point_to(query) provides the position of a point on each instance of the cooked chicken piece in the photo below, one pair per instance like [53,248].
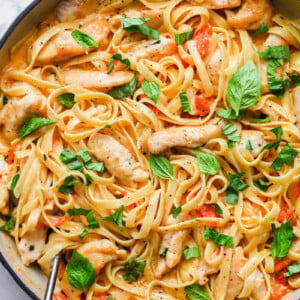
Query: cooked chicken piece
[95,79]
[32,244]
[63,46]
[221,4]
[260,290]
[213,68]
[203,270]
[174,242]
[160,295]
[275,40]
[274,110]
[117,159]
[191,137]
[251,15]
[99,253]
[4,191]
[255,137]
[14,114]
[153,49]
[70,10]
[296,95]
[235,283]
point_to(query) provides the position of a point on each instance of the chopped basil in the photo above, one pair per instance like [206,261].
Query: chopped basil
[67,100]
[89,179]
[249,146]
[219,239]
[164,253]
[207,163]
[230,114]
[229,131]
[196,292]
[274,145]
[276,52]
[14,183]
[106,126]
[261,185]
[235,185]
[134,269]
[264,120]
[160,166]
[84,39]
[185,104]
[68,186]
[182,37]
[292,269]
[33,124]
[117,56]
[45,157]
[282,240]
[125,90]
[176,211]
[295,79]
[138,25]
[116,217]
[70,160]
[31,247]
[151,89]
[93,223]
[261,30]
[80,272]
[5,157]
[191,253]
[9,224]
[218,209]
[244,87]
[286,156]
[4,100]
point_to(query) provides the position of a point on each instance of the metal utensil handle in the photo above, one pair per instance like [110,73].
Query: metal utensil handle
[52,278]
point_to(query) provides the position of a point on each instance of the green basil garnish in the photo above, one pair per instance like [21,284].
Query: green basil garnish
[32,124]
[151,89]
[138,25]
[84,39]
[160,166]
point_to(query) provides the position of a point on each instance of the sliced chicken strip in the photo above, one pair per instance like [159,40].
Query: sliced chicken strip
[260,290]
[221,4]
[153,50]
[174,242]
[235,283]
[14,114]
[296,95]
[184,136]
[160,295]
[63,46]
[96,79]
[255,137]
[117,159]
[251,15]
[34,239]
[203,270]
[213,68]
[274,110]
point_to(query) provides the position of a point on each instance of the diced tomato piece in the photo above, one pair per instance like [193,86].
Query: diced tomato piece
[59,296]
[286,213]
[202,105]
[263,198]
[279,277]
[295,190]
[279,290]
[218,251]
[11,155]
[103,297]
[57,221]
[202,38]
[282,264]
[207,211]
[184,63]
[124,193]
[153,108]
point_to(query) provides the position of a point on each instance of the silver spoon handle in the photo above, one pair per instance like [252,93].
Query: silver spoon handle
[52,278]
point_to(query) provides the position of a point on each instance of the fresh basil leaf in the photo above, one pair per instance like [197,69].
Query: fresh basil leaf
[294,77]
[14,183]
[286,156]
[138,25]
[218,209]
[33,124]
[235,185]
[31,248]
[191,253]
[244,87]
[176,211]
[276,52]
[264,120]
[134,269]
[232,196]
[88,163]
[196,292]
[278,131]
[164,253]
[89,179]
[261,185]
[4,100]
[117,56]
[230,114]
[282,240]
[9,224]
[292,269]
[70,160]
[185,104]
[229,130]
[274,145]
[160,166]
[106,126]
[249,146]
[261,30]
[84,39]
[269,146]
[67,100]
[78,212]
[182,37]
[125,90]
[116,217]
[68,186]
[151,89]
[207,163]
[80,272]
[219,239]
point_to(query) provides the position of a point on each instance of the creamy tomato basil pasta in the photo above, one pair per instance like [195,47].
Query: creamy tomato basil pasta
[155,145]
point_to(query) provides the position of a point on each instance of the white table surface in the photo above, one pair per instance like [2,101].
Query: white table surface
[9,290]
